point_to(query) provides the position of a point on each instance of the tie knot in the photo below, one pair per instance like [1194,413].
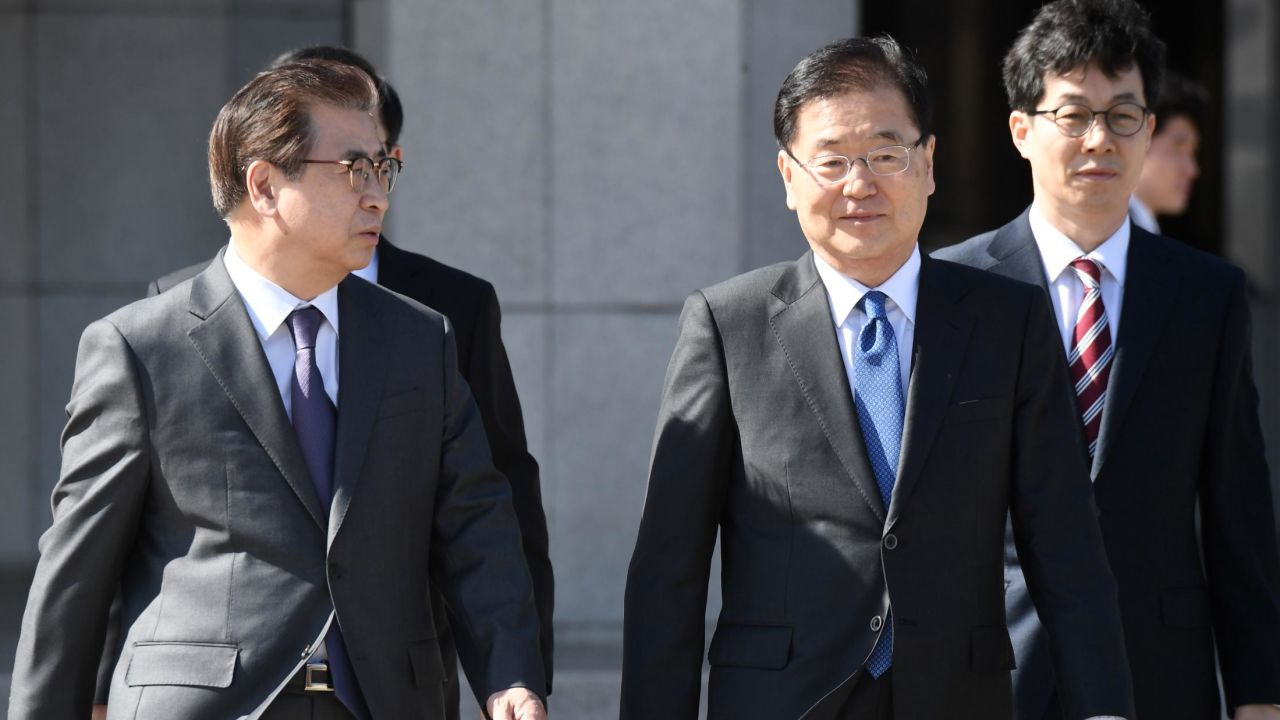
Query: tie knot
[304,323]
[873,305]
[1088,271]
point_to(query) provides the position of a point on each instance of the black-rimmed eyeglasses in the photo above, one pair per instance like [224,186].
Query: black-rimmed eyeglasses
[360,169]
[1074,120]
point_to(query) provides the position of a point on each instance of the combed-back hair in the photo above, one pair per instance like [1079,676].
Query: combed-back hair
[851,65]
[390,111]
[270,119]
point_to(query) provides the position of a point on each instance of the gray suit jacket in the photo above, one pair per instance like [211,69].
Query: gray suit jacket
[758,443]
[182,480]
[1179,429]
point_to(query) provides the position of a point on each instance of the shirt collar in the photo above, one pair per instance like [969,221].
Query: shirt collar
[1142,215]
[844,292]
[1058,251]
[268,303]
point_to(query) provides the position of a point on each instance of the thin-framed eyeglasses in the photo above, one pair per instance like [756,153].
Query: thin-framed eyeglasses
[883,161]
[360,169]
[1074,120]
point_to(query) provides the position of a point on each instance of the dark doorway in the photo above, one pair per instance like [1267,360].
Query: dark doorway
[982,182]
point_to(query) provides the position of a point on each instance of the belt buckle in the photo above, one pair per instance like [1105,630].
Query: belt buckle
[311,683]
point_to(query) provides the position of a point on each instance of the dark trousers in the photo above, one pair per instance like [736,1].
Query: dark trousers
[1054,711]
[297,704]
[870,699]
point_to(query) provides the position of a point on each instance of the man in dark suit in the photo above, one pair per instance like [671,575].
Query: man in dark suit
[276,465]
[1158,339]
[472,307]
[856,426]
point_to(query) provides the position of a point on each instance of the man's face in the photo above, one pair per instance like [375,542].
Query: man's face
[1165,185]
[1087,178]
[333,228]
[866,225]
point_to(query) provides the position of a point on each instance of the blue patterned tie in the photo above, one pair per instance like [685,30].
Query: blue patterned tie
[877,396]
[315,421]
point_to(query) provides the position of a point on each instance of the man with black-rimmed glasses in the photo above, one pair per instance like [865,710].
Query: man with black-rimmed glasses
[1157,338]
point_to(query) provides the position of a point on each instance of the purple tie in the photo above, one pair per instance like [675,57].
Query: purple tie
[315,420]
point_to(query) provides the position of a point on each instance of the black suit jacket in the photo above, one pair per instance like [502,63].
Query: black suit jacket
[758,442]
[1179,427]
[472,307]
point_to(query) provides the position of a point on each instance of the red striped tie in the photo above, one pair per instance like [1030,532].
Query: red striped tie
[1091,351]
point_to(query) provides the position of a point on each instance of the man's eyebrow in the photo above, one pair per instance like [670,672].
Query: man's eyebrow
[887,134]
[1075,98]
[883,134]
[357,153]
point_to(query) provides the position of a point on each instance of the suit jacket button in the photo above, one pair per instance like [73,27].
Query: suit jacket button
[335,570]
[877,622]
[890,541]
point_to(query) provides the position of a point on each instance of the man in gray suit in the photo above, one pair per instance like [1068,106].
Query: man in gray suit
[276,463]
[855,426]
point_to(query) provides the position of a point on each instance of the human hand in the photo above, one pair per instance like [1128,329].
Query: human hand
[515,704]
[1257,712]
[99,713]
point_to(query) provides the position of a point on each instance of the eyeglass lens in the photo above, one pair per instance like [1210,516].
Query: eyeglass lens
[387,170]
[1123,119]
[889,160]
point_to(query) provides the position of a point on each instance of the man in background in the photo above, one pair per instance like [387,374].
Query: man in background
[1170,168]
[1157,338]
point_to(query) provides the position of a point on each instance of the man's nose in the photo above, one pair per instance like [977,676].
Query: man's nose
[861,182]
[1099,136]
[374,198]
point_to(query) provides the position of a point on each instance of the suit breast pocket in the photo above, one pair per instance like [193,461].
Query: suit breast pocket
[977,410]
[402,403]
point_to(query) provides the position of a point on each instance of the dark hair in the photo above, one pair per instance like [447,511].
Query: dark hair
[1180,95]
[269,119]
[1070,34]
[390,111]
[851,65]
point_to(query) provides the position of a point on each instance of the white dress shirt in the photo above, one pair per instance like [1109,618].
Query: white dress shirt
[269,305]
[902,289]
[1065,289]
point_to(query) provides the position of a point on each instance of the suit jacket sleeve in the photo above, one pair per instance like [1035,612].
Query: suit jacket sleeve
[1237,523]
[666,595]
[495,393]
[477,560]
[1057,534]
[115,634]
[97,504]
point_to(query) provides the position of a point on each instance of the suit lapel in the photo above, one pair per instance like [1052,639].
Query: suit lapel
[229,346]
[941,336]
[803,327]
[361,344]
[1149,293]
[1014,254]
